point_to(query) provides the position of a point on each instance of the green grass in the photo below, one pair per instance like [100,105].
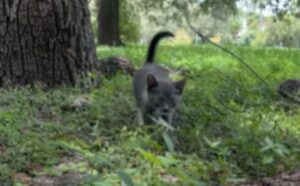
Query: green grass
[232,125]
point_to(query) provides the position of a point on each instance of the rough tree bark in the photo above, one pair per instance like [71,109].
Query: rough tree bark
[108,22]
[48,41]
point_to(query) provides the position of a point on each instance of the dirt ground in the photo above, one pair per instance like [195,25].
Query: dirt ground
[284,179]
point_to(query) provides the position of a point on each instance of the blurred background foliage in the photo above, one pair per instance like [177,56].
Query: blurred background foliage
[231,22]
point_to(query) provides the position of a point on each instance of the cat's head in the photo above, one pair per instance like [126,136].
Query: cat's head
[163,96]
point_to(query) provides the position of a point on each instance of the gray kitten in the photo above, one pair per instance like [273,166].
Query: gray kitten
[155,94]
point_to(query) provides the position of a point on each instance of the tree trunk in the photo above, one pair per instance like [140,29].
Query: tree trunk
[47,41]
[108,22]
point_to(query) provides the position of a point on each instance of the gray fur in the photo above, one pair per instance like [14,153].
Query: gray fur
[156,95]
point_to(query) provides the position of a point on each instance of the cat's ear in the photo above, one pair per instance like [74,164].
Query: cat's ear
[179,85]
[151,82]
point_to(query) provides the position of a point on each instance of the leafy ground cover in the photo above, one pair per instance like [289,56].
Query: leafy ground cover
[233,127]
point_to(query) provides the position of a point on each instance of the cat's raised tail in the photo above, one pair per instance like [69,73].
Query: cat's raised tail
[155,40]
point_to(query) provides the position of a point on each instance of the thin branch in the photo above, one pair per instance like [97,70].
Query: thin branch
[230,80]
[223,49]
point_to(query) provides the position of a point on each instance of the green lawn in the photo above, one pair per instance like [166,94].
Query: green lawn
[233,127]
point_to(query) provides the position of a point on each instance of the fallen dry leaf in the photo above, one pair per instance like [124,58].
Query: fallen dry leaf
[167,178]
[22,178]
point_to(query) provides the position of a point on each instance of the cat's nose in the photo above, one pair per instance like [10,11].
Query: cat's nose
[165,110]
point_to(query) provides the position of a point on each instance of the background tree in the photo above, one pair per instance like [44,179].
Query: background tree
[171,14]
[280,33]
[280,8]
[212,18]
[129,22]
[108,22]
[45,41]
[174,9]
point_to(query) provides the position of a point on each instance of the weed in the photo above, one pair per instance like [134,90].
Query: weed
[231,127]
